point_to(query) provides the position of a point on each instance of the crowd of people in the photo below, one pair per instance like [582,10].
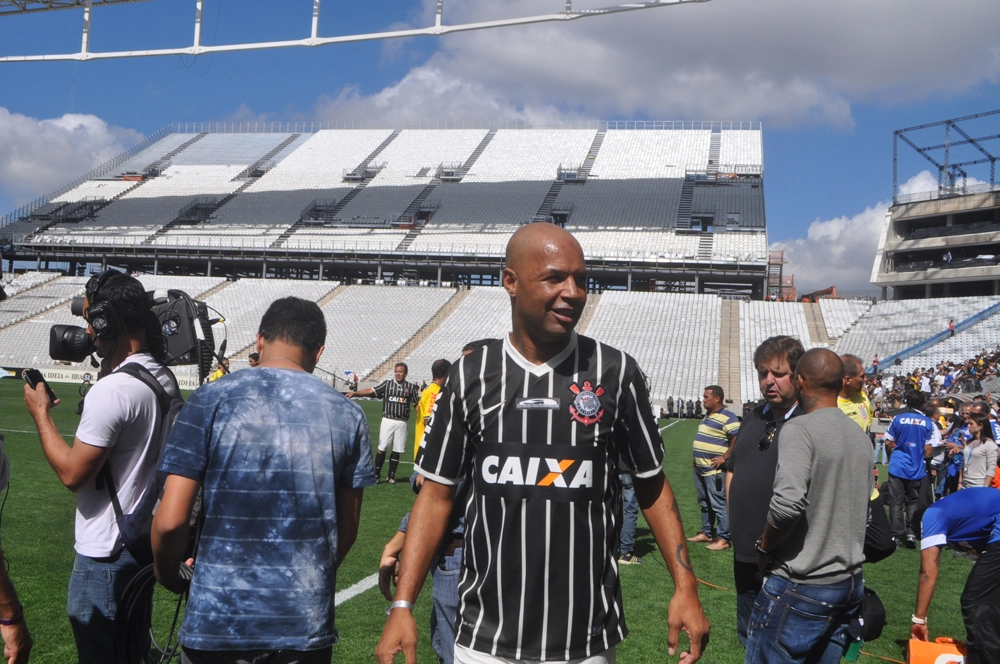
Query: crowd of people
[534,455]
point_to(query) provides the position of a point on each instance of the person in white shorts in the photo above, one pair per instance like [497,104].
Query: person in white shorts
[397,396]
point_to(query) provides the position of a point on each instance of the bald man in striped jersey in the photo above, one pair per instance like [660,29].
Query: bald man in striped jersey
[537,421]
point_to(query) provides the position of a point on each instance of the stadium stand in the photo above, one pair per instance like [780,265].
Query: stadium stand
[741,151]
[244,302]
[416,149]
[41,298]
[730,203]
[890,326]
[647,154]
[27,342]
[760,320]
[674,338]
[228,149]
[645,245]
[154,153]
[367,324]
[17,283]
[740,246]
[840,315]
[485,313]
[984,336]
[623,204]
[530,154]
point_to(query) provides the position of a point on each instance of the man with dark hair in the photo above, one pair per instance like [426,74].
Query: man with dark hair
[538,420]
[751,465]
[397,396]
[120,431]
[910,434]
[812,548]
[712,446]
[283,460]
[439,374]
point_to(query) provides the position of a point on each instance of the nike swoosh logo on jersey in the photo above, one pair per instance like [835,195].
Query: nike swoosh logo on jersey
[487,411]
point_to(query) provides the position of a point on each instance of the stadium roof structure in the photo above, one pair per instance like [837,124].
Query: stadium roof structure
[439,28]
[9,7]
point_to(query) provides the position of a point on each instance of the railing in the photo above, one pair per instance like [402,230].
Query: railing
[984,188]
[918,348]
[98,171]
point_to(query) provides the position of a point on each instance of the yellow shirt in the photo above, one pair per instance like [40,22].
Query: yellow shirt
[859,409]
[424,408]
[216,375]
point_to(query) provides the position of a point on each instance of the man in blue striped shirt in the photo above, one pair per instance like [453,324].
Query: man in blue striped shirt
[712,446]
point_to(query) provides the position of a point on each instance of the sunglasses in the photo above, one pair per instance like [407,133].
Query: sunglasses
[771,429]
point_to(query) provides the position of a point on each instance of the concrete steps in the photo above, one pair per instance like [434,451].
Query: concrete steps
[729,354]
[816,324]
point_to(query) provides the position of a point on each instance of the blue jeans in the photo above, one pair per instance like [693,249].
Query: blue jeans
[444,617]
[880,451]
[711,492]
[95,587]
[630,509]
[802,623]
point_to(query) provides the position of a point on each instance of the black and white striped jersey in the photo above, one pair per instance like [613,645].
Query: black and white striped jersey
[397,398]
[542,443]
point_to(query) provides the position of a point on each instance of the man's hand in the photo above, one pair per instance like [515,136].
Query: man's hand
[350,395]
[399,635]
[16,639]
[718,462]
[685,613]
[763,561]
[920,633]
[37,401]
[388,574]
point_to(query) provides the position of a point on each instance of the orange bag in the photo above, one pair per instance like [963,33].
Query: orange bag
[942,651]
[996,478]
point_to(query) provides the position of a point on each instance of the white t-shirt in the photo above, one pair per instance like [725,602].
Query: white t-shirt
[937,446]
[122,413]
[925,384]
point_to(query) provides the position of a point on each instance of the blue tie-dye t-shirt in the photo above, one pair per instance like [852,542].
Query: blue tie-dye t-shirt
[272,447]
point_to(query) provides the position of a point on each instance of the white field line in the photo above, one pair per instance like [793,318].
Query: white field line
[361,586]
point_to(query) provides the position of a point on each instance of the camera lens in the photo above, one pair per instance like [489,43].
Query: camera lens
[76,306]
[69,343]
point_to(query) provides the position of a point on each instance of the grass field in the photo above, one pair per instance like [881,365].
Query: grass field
[37,531]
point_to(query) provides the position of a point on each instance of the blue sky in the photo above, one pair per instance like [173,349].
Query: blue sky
[830,82]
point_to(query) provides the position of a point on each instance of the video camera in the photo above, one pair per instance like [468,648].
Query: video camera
[183,335]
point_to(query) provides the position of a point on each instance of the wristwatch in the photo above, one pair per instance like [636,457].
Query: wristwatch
[399,604]
[919,621]
[759,549]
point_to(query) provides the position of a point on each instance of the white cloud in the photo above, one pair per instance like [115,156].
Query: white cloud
[38,155]
[781,61]
[840,252]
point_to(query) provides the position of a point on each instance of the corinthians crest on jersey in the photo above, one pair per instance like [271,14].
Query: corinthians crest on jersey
[586,407]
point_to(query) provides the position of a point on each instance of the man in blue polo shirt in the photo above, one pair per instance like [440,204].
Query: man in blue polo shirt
[910,433]
[969,519]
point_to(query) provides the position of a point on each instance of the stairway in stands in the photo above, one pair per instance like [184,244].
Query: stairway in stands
[729,354]
[253,168]
[478,151]
[816,324]
[714,147]
[545,210]
[411,213]
[163,161]
[705,244]
[595,148]
[361,172]
[684,209]
[337,209]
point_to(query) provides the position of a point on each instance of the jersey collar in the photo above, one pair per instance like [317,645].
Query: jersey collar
[539,369]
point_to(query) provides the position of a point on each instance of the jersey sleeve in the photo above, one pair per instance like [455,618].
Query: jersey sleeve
[732,427]
[358,469]
[380,389]
[415,394]
[444,454]
[186,450]
[640,441]
[934,528]
[890,433]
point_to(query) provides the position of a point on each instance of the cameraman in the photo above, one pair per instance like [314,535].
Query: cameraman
[120,427]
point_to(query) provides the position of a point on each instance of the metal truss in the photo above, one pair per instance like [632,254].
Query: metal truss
[10,7]
[439,28]
[939,154]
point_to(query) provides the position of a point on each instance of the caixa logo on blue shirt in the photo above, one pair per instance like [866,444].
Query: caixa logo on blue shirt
[563,473]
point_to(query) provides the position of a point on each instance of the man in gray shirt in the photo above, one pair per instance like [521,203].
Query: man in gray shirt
[813,545]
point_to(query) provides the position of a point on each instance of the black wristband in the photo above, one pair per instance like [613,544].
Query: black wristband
[16,620]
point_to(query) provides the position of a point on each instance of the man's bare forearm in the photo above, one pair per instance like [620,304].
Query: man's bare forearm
[428,521]
[930,561]
[659,507]
[348,518]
